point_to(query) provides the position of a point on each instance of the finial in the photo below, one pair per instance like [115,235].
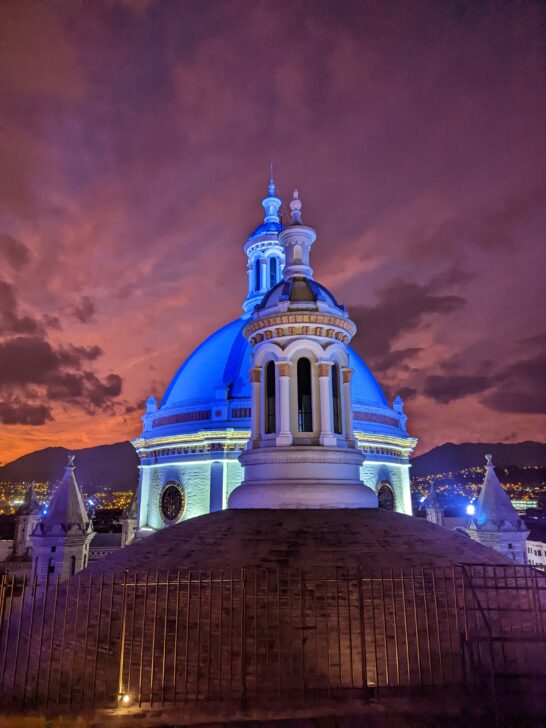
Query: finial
[295,206]
[70,463]
[271,181]
[489,460]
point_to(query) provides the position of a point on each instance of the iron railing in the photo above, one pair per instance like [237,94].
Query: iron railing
[262,634]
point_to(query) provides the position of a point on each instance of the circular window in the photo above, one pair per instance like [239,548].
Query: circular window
[173,502]
[385,497]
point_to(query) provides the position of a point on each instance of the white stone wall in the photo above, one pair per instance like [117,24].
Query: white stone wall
[373,474]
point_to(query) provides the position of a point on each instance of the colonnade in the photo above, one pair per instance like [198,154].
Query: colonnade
[286,399]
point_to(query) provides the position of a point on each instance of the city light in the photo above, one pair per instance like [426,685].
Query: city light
[470,509]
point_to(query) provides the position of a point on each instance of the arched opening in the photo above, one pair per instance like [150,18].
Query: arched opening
[50,566]
[257,275]
[336,400]
[305,408]
[270,401]
[72,565]
[273,271]
[385,497]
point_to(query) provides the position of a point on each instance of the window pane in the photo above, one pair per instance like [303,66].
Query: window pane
[336,402]
[270,404]
[272,271]
[305,411]
[257,276]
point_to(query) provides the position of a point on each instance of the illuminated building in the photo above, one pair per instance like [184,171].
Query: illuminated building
[190,444]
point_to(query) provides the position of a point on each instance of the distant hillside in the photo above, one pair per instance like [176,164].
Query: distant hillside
[115,466]
[112,466]
[449,457]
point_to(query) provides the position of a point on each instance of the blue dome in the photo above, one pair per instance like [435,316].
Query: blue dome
[223,361]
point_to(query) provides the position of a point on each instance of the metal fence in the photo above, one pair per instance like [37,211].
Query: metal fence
[257,635]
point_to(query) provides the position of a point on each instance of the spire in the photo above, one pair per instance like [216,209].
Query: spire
[297,240]
[67,508]
[271,203]
[295,206]
[432,502]
[494,509]
[272,188]
[30,504]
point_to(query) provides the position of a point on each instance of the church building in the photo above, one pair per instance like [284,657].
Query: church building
[191,442]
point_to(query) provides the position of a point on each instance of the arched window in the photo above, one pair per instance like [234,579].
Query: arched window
[72,565]
[273,268]
[305,411]
[385,497]
[50,566]
[270,403]
[336,400]
[257,275]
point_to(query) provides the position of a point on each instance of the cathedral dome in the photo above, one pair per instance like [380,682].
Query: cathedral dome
[299,290]
[222,362]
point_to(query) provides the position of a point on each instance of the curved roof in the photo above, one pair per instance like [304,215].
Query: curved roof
[298,290]
[299,538]
[223,361]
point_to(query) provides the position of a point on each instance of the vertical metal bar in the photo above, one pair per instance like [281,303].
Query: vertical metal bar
[395,625]
[220,634]
[109,638]
[41,639]
[142,635]
[101,587]
[230,630]
[374,632]
[175,653]
[243,637]
[338,623]
[198,641]
[416,621]
[132,634]
[164,654]
[267,626]
[90,586]
[363,655]
[209,642]
[327,617]
[436,611]
[256,631]
[406,633]
[8,631]
[427,626]
[349,617]
[124,588]
[387,676]
[279,628]
[73,657]
[187,642]
[448,620]
[18,639]
[34,591]
[63,639]
[53,621]
[302,598]
[154,630]
[290,643]
[315,621]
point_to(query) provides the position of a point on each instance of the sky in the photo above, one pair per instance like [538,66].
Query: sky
[135,141]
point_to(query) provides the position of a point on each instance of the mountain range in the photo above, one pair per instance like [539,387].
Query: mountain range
[115,467]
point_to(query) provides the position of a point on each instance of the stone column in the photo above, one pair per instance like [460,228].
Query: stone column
[264,274]
[284,438]
[327,437]
[347,373]
[251,282]
[256,383]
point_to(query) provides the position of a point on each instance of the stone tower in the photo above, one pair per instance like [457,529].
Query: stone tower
[61,539]
[302,452]
[434,511]
[26,519]
[496,523]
